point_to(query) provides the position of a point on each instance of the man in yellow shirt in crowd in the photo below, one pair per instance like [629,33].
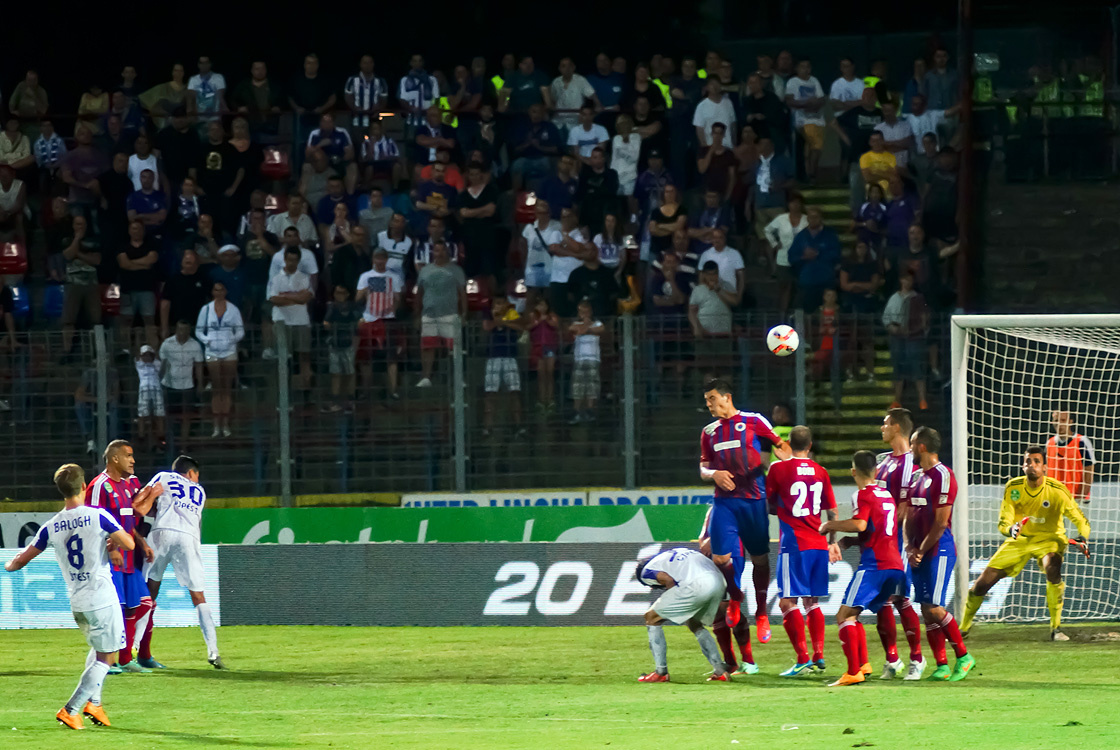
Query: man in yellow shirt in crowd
[878,164]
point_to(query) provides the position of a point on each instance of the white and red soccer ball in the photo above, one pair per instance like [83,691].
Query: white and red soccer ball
[782,340]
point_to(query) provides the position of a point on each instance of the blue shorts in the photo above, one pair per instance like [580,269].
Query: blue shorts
[872,589]
[131,587]
[802,573]
[734,519]
[933,576]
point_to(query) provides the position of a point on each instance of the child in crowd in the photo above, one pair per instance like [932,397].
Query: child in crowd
[502,373]
[585,376]
[544,340]
[149,403]
[341,322]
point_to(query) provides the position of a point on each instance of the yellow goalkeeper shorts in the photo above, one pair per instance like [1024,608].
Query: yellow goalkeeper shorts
[1013,555]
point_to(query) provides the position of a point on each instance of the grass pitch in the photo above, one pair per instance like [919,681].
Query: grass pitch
[554,688]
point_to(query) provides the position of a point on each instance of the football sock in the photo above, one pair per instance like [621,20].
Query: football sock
[888,633]
[731,573]
[761,578]
[816,631]
[912,626]
[90,683]
[849,633]
[742,633]
[952,631]
[794,624]
[723,638]
[936,639]
[861,641]
[658,646]
[91,657]
[125,655]
[143,626]
[973,605]
[209,632]
[710,650]
[1055,598]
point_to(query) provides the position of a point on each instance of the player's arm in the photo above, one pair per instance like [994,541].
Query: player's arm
[940,523]
[29,553]
[722,478]
[1007,520]
[1087,464]
[123,540]
[146,497]
[666,580]
[1072,511]
[772,493]
[848,525]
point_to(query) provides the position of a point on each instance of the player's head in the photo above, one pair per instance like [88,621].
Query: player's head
[118,455]
[717,395]
[925,440]
[641,569]
[1034,462]
[897,422]
[800,439]
[1061,422]
[863,465]
[186,466]
[70,480]
[781,414]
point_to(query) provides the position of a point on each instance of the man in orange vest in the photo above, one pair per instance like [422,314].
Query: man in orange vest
[1069,457]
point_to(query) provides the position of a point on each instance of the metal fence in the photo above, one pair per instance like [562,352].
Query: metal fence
[299,425]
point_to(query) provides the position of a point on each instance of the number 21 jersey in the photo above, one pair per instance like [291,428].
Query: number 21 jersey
[179,508]
[801,489]
[78,536]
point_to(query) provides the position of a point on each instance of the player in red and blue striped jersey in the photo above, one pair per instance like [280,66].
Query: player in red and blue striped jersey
[797,491]
[894,473]
[880,579]
[932,551]
[731,451]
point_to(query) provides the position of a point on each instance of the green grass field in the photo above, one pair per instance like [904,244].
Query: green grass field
[555,688]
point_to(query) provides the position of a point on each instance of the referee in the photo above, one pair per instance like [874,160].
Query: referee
[1069,457]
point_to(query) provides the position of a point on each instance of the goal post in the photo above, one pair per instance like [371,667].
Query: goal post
[1009,373]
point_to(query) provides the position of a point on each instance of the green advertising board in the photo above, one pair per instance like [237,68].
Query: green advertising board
[542,524]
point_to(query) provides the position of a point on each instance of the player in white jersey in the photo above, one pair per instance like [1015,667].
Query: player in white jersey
[694,589]
[78,533]
[176,540]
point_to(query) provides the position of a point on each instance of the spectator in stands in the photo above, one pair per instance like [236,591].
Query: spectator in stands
[666,219]
[532,143]
[93,103]
[567,255]
[596,284]
[435,197]
[610,87]
[187,211]
[115,187]
[860,281]
[544,342]
[231,274]
[335,234]
[249,157]
[82,255]
[586,332]
[207,95]
[477,212]
[220,329]
[559,190]
[715,108]
[668,289]
[485,134]
[417,91]
[732,275]
[877,164]
[587,135]
[814,256]
[310,96]
[715,215]
[219,176]
[746,157]
[113,135]
[379,292]
[451,172]
[336,196]
[381,158]
[314,176]
[340,323]
[536,240]
[206,240]
[422,247]
[137,261]
[366,95]
[855,128]
[845,94]
[375,218]
[524,88]
[649,124]
[185,293]
[349,260]
[296,216]
[824,348]
[335,144]
[397,243]
[258,99]
[289,293]
[626,149]
[432,135]
[870,221]
[686,90]
[896,132]
[15,147]
[161,100]
[709,312]
[597,194]
[128,85]
[805,97]
[923,119]
[768,186]
[643,88]
[732,87]
[915,86]
[942,84]
[503,374]
[441,298]
[609,244]
[763,111]
[86,397]
[182,378]
[939,206]
[29,102]
[780,233]
[13,206]
[922,162]
[49,149]
[902,211]
[148,205]
[717,162]
[258,245]
[179,148]
[569,92]
[907,320]
[648,193]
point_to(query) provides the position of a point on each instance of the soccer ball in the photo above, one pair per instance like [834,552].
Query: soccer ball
[782,340]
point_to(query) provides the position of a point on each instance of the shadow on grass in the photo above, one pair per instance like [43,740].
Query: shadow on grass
[203,739]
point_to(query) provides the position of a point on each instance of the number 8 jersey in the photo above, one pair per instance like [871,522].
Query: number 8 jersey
[801,489]
[179,508]
[78,536]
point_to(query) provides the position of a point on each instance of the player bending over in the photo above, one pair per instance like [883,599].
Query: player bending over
[1042,502]
[880,579]
[79,536]
[723,632]
[893,474]
[731,450]
[176,540]
[797,491]
[694,589]
[933,551]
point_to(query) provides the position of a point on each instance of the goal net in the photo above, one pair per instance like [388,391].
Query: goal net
[1010,374]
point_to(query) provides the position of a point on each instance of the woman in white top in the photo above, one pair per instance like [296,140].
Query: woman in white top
[624,154]
[219,329]
[780,233]
[609,242]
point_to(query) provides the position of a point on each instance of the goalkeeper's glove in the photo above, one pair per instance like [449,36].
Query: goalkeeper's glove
[1016,527]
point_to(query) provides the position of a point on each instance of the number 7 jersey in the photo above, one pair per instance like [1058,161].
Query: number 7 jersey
[801,489]
[878,542]
[179,508]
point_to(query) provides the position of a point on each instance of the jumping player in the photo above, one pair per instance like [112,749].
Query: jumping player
[731,450]
[78,535]
[1043,537]
[176,540]
[694,589]
[115,490]
[933,551]
[895,470]
[880,578]
[797,491]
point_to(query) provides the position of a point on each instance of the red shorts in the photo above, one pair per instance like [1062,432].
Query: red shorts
[376,338]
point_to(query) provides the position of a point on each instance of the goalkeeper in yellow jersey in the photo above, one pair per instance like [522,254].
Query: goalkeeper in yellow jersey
[1042,502]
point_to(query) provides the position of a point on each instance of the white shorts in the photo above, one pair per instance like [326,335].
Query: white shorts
[103,628]
[445,327]
[150,403]
[502,373]
[700,599]
[183,552]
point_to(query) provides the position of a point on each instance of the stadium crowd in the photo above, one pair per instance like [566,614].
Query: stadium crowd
[191,211]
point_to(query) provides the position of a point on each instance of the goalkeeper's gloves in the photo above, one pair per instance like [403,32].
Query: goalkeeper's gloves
[1015,529]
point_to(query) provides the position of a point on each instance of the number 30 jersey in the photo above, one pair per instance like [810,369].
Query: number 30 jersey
[78,536]
[179,508]
[800,489]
